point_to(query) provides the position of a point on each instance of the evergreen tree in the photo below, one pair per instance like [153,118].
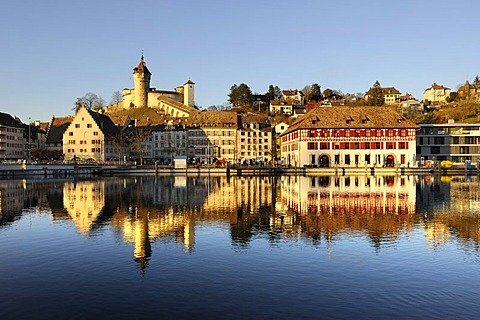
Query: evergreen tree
[274,92]
[315,92]
[376,97]
[240,95]
[476,82]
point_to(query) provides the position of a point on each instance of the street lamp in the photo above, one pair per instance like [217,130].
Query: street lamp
[29,147]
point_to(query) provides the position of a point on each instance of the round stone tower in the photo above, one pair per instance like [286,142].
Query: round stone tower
[141,84]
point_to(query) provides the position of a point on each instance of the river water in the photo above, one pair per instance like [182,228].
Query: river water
[402,247]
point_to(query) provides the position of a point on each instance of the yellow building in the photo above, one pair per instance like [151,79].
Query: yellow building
[90,136]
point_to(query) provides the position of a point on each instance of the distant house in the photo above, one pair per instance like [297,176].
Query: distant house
[11,138]
[469,92]
[293,96]
[281,107]
[406,97]
[90,136]
[390,94]
[436,94]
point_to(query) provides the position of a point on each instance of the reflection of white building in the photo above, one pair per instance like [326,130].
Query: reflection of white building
[343,194]
[84,201]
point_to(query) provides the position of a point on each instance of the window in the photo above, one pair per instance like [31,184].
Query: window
[95,133]
[89,125]
[312,146]
[324,145]
[77,125]
[70,133]
[403,145]
[439,140]
[390,145]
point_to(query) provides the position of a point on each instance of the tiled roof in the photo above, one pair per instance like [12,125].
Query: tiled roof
[7,120]
[141,68]
[56,129]
[437,87]
[386,90]
[177,105]
[214,119]
[105,123]
[292,92]
[343,117]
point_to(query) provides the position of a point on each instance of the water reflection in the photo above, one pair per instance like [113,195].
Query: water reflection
[144,210]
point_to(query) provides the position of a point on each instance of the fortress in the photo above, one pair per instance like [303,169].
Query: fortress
[177,103]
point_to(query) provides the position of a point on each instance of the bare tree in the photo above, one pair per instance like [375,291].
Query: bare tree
[139,135]
[90,100]
[116,97]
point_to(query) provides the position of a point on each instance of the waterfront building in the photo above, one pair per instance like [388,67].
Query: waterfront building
[350,137]
[169,141]
[90,136]
[11,138]
[254,140]
[436,94]
[390,94]
[212,136]
[54,134]
[457,142]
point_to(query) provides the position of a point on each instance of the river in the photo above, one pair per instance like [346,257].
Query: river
[204,247]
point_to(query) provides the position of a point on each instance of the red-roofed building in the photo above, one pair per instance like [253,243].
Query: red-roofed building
[350,137]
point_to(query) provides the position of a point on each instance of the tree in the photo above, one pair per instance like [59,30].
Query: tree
[212,108]
[274,92]
[240,95]
[90,100]
[307,91]
[476,82]
[376,97]
[327,93]
[116,97]
[315,92]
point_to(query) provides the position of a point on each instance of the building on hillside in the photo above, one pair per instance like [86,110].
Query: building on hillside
[390,94]
[469,92]
[12,143]
[254,140]
[457,142]
[179,102]
[436,94]
[293,96]
[411,107]
[281,107]
[407,97]
[91,136]
[350,137]
[212,136]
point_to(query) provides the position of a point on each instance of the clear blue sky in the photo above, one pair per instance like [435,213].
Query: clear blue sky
[55,51]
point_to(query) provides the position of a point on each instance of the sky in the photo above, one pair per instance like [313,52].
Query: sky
[53,52]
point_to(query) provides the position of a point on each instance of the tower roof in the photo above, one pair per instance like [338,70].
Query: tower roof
[142,67]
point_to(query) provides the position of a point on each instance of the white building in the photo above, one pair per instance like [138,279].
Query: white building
[350,137]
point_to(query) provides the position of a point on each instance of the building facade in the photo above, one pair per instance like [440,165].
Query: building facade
[390,94]
[12,143]
[90,136]
[350,137]
[457,142]
[436,94]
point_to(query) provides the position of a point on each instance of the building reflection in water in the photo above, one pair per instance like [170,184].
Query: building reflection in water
[379,207]
[450,206]
[144,210]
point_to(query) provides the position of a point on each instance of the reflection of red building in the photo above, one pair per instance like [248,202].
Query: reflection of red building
[350,195]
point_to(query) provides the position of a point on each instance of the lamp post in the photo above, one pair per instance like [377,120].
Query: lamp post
[29,147]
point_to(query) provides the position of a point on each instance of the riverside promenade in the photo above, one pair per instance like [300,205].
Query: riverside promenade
[69,170]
